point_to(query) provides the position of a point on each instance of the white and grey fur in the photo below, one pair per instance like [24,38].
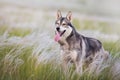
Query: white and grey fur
[75,47]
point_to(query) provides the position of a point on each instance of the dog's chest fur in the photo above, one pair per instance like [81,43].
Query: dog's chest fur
[71,49]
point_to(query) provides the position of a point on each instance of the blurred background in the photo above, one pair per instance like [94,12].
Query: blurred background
[89,17]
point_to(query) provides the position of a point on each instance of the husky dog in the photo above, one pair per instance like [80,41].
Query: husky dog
[75,47]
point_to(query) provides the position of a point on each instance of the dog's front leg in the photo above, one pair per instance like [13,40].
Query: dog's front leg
[65,60]
[79,67]
[65,66]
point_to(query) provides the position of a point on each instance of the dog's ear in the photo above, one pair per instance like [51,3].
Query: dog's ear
[69,15]
[59,15]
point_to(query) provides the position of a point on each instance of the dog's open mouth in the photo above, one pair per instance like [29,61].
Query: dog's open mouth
[61,33]
[58,35]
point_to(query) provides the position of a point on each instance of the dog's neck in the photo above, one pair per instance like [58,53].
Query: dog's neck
[74,35]
[71,39]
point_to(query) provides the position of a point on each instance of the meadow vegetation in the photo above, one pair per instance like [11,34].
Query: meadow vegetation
[26,55]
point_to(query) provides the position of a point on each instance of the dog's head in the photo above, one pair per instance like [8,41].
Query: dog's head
[63,28]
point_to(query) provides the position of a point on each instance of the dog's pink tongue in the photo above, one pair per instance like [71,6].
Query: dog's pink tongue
[57,37]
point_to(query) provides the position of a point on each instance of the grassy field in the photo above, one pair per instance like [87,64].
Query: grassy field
[27,47]
[25,56]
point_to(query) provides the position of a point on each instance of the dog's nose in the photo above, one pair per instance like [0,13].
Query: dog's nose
[58,29]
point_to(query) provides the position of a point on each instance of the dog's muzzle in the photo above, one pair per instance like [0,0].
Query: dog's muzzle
[60,32]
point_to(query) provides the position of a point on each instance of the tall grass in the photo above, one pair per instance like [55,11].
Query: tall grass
[29,55]
[36,57]
[15,31]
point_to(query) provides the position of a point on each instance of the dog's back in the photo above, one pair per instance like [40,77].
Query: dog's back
[92,45]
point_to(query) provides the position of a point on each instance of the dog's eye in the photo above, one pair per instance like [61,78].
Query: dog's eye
[57,23]
[63,24]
